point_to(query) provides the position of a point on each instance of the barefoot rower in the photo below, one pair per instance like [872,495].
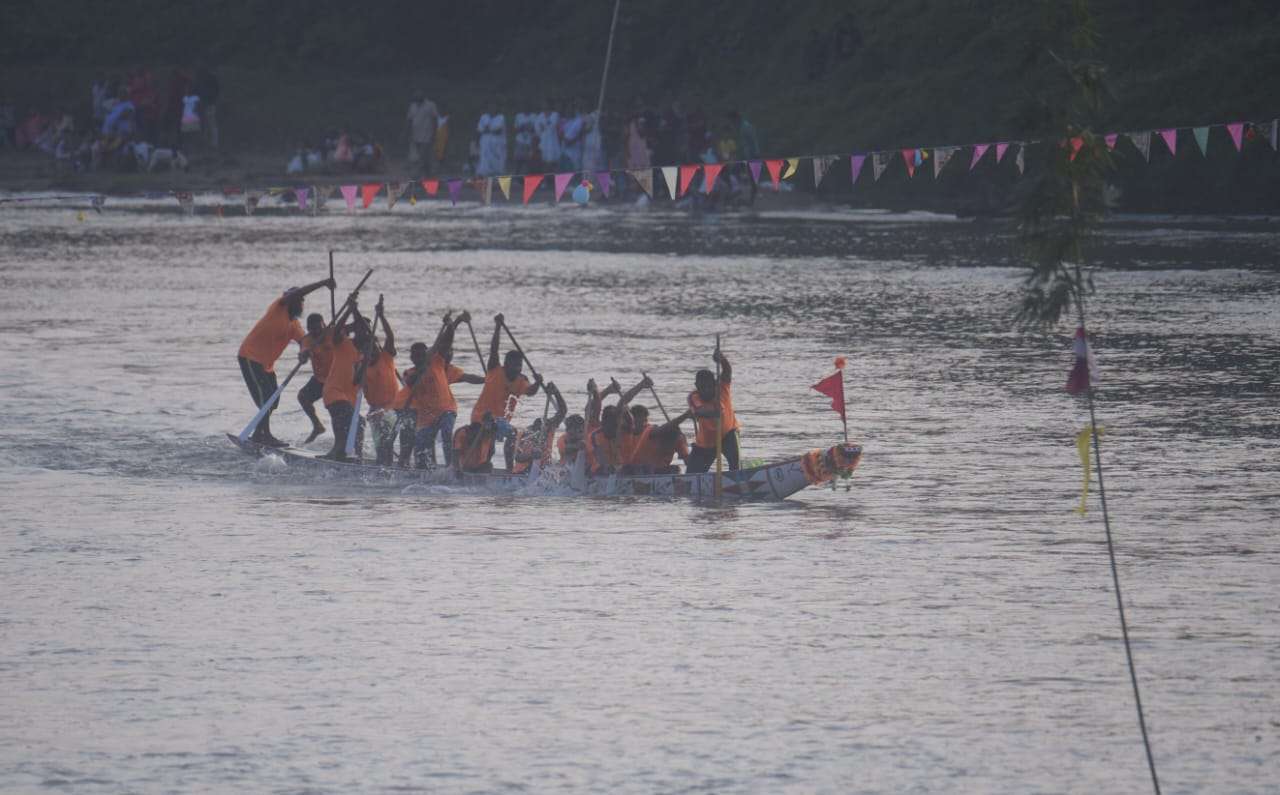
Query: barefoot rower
[706,407]
[317,349]
[262,347]
[431,395]
[500,383]
[350,343]
[380,389]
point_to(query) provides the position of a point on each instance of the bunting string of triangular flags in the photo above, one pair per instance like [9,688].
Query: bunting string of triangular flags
[680,179]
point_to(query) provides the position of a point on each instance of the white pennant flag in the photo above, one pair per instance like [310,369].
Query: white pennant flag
[822,164]
[1021,159]
[940,157]
[669,174]
[1142,140]
[879,162]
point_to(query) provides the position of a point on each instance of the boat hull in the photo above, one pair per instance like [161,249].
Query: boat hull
[768,482]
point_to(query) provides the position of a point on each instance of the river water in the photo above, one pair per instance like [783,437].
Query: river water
[178,617]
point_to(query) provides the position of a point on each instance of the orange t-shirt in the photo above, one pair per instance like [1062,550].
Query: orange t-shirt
[562,444]
[321,351]
[628,443]
[467,456]
[341,384]
[271,335]
[380,384]
[706,435]
[494,394]
[432,395]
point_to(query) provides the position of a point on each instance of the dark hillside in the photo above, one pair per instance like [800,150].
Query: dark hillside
[816,77]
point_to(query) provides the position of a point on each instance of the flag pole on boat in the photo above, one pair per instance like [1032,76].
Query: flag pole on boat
[271,401]
[719,427]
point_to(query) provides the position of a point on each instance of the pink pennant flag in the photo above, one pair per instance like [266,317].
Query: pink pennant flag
[531,183]
[603,180]
[775,171]
[349,195]
[1077,144]
[1000,150]
[367,192]
[855,166]
[1111,139]
[301,195]
[709,173]
[431,186]
[1170,140]
[562,182]
[978,151]
[909,157]
[455,188]
[687,174]
[1237,134]
[754,165]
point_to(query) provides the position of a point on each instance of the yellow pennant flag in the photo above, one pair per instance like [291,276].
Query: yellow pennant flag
[504,184]
[792,165]
[1083,440]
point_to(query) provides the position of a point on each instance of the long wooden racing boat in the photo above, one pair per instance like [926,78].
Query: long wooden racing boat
[768,482]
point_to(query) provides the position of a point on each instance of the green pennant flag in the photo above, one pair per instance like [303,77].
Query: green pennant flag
[1202,138]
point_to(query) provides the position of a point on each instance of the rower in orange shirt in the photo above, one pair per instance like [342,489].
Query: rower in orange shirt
[262,347]
[535,442]
[500,383]
[316,348]
[579,427]
[473,446]
[380,389]
[616,437]
[706,406]
[430,397]
[351,341]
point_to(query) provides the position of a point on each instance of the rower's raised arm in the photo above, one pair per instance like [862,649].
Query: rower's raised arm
[561,409]
[301,292]
[726,369]
[389,341]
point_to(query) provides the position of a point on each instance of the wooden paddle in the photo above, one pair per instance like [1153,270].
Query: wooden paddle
[484,367]
[516,345]
[333,310]
[657,399]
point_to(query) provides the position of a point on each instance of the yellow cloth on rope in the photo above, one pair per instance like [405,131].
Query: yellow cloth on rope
[792,164]
[504,184]
[1083,440]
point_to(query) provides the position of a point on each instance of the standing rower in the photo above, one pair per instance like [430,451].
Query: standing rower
[706,406]
[380,388]
[343,383]
[263,345]
[500,383]
[317,348]
[431,394]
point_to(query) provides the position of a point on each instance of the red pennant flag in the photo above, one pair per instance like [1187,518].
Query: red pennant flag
[775,171]
[431,186]
[833,387]
[709,173]
[686,176]
[1077,144]
[367,192]
[909,157]
[531,183]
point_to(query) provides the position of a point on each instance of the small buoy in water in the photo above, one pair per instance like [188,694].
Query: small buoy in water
[582,193]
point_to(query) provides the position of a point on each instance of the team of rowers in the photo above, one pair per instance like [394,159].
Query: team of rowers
[416,406]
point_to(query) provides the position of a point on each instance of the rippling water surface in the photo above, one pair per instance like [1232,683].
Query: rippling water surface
[177,617]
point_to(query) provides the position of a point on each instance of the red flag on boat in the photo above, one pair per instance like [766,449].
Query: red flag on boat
[833,387]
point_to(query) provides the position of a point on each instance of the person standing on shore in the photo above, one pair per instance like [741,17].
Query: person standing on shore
[423,118]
